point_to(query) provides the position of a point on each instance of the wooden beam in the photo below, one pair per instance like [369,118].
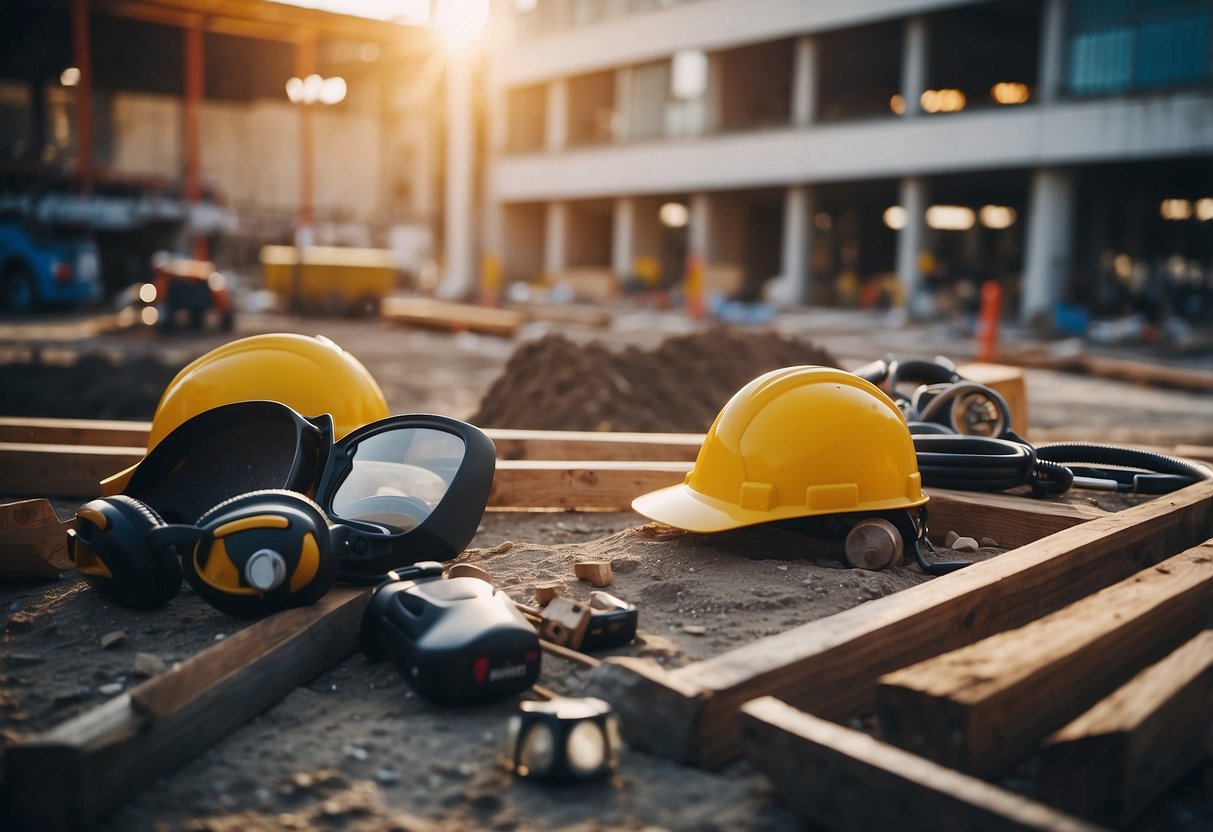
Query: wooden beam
[1011,520]
[66,777]
[596,484]
[830,666]
[842,779]
[1115,759]
[437,314]
[982,707]
[73,431]
[598,445]
[60,470]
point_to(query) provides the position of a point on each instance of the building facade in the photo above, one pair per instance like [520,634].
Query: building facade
[861,152]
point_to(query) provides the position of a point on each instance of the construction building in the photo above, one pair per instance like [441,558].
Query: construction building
[861,152]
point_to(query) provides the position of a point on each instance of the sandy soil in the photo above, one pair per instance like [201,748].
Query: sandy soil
[356,750]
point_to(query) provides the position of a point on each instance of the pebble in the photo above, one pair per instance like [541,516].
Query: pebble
[387,776]
[964,544]
[989,543]
[110,689]
[147,664]
[694,629]
[113,639]
[355,752]
[950,539]
[783,568]
[220,636]
[503,548]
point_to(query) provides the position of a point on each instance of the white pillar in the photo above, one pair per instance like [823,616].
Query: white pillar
[1052,50]
[623,237]
[914,64]
[699,226]
[804,82]
[555,238]
[797,240]
[1047,255]
[912,238]
[458,274]
[557,127]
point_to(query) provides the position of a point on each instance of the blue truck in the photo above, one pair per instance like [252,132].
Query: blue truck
[43,266]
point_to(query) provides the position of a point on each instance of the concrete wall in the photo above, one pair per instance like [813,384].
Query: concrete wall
[250,152]
[589,235]
[1040,135]
[522,238]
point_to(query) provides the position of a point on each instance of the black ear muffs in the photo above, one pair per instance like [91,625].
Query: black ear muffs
[265,550]
[109,549]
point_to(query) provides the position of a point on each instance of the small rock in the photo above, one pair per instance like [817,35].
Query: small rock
[502,548]
[783,568]
[989,543]
[13,607]
[694,629]
[220,636]
[110,689]
[387,776]
[355,752]
[949,539]
[581,528]
[113,639]
[964,544]
[147,664]
[303,780]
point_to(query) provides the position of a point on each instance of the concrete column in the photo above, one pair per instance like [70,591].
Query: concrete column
[804,82]
[797,240]
[912,238]
[699,226]
[914,64]
[1047,255]
[621,125]
[623,237]
[555,238]
[1052,50]
[557,126]
[458,277]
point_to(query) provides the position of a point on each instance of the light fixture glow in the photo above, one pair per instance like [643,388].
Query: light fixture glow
[674,215]
[147,293]
[894,217]
[294,89]
[70,77]
[149,315]
[332,90]
[1010,92]
[1204,209]
[1175,209]
[997,217]
[898,105]
[823,221]
[942,101]
[950,217]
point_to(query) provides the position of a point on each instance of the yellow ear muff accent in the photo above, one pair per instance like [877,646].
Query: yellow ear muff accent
[309,563]
[89,563]
[257,521]
[220,572]
[95,517]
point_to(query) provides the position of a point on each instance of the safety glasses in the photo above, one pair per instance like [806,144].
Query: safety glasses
[405,488]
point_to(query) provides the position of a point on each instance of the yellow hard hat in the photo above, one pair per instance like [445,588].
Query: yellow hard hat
[310,374]
[796,442]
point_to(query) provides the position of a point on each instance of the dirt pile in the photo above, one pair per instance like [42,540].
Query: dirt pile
[555,384]
[92,387]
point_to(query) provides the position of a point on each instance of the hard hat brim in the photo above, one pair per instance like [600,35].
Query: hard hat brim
[684,508]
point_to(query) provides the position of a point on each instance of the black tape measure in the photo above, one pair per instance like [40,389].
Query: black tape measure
[456,641]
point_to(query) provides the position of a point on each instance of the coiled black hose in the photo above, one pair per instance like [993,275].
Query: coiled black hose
[979,463]
[1155,473]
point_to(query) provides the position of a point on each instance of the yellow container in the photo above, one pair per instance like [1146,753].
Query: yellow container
[328,278]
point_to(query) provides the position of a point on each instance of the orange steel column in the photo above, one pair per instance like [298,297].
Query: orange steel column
[195,80]
[305,65]
[82,52]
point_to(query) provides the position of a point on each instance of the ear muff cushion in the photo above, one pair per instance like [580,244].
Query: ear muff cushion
[141,578]
[327,553]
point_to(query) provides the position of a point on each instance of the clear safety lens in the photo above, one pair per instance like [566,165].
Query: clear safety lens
[398,477]
[586,748]
[538,751]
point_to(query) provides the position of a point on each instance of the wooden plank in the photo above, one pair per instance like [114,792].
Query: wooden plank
[982,707]
[74,431]
[66,777]
[583,444]
[1011,520]
[436,314]
[830,666]
[843,779]
[1149,372]
[596,484]
[60,470]
[27,514]
[1114,760]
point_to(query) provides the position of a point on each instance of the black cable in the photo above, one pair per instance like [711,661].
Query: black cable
[1134,470]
